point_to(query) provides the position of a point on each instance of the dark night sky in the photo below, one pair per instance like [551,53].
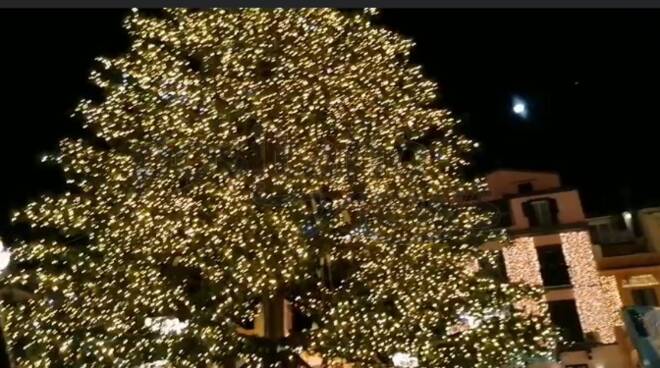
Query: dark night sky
[598,133]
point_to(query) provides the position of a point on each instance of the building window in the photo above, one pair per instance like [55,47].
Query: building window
[612,231]
[554,270]
[524,188]
[541,212]
[645,297]
[565,316]
[502,213]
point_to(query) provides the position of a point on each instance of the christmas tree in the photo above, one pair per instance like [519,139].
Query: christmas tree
[247,157]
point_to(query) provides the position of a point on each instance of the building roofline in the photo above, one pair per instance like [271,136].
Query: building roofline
[617,213]
[648,209]
[521,171]
[540,192]
[550,230]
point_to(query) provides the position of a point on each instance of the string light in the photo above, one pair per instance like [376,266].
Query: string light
[243,150]
[156,364]
[521,261]
[166,325]
[596,296]
[404,360]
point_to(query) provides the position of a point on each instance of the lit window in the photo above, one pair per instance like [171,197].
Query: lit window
[542,213]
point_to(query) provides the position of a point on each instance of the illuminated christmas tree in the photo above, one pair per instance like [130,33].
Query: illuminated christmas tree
[247,157]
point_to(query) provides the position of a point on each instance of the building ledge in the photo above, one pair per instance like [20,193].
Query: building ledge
[535,193]
[558,287]
[628,261]
[548,230]
[584,346]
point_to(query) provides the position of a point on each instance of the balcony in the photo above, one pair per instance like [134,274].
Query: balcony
[623,249]
[634,253]
[615,237]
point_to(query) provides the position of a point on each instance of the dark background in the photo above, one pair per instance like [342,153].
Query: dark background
[590,78]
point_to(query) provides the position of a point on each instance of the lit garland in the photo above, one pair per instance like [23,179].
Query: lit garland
[521,262]
[404,360]
[596,296]
[166,325]
[246,148]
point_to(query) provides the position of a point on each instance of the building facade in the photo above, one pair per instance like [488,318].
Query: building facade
[590,268]
[550,246]
[627,247]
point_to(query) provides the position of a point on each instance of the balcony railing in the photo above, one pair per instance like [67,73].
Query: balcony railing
[623,249]
[633,254]
[617,237]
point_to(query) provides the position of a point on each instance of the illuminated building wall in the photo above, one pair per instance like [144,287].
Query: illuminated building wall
[596,296]
[522,264]
[597,300]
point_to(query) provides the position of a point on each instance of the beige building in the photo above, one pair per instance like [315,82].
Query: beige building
[551,247]
[627,246]
[590,268]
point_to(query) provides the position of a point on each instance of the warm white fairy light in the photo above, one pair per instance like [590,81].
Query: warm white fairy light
[404,360]
[532,307]
[521,261]
[252,148]
[166,325]
[596,296]
[155,364]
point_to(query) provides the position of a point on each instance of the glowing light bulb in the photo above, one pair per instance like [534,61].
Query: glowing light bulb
[155,364]
[405,360]
[166,325]
[5,257]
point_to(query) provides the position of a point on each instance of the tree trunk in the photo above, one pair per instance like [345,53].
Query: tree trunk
[274,318]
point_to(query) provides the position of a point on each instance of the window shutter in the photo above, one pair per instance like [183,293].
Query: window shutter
[554,210]
[504,215]
[593,232]
[636,225]
[530,214]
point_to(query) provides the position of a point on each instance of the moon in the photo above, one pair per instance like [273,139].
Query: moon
[519,107]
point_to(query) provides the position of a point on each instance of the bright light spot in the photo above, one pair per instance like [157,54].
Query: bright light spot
[5,257]
[404,360]
[166,325]
[519,107]
[627,216]
[155,364]
[471,321]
